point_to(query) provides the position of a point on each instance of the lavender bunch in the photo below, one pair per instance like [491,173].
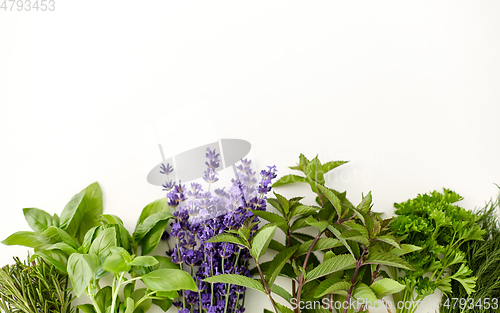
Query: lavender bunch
[200,215]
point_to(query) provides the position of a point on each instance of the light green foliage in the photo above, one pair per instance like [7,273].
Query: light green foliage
[439,227]
[89,245]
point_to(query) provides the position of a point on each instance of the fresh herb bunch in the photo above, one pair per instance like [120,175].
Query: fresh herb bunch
[199,215]
[354,243]
[34,286]
[483,258]
[88,245]
[439,227]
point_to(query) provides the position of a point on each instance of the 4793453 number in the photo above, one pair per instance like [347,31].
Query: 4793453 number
[28,5]
[469,303]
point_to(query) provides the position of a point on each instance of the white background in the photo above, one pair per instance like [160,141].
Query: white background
[408,92]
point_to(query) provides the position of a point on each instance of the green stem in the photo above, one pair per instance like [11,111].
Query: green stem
[115,289]
[229,285]
[92,299]
[211,285]
[143,299]
[130,280]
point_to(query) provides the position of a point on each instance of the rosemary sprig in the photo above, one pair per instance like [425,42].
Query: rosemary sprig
[34,287]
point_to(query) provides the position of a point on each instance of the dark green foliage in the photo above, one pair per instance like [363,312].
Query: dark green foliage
[483,258]
[34,287]
[342,262]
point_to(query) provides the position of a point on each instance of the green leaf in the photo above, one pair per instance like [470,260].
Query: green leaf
[283,202]
[332,286]
[302,236]
[276,246]
[353,225]
[88,238]
[163,304]
[64,247]
[81,269]
[153,237]
[167,279]
[82,212]
[103,242]
[27,239]
[37,219]
[385,287]
[304,209]
[149,223]
[356,236]
[122,234]
[167,294]
[86,308]
[463,276]
[224,237]
[262,239]
[335,229]
[336,263]
[282,308]
[299,223]
[289,179]
[160,205]
[331,165]
[164,262]
[389,259]
[314,171]
[389,240]
[128,289]
[144,261]
[366,202]
[303,162]
[280,291]
[277,264]
[130,305]
[103,298]
[273,218]
[332,198]
[117,262]
[145,305]
[64,236]
[236,280]
[321,225]
[363,291]
[277,205]
[321,244]
[58,258]
[405,248]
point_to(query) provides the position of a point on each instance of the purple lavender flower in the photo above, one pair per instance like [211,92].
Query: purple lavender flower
[199,215]
[167,186]
[166,169]
[213,163]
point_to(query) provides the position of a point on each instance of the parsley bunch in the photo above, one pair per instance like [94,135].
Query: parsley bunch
[439,227]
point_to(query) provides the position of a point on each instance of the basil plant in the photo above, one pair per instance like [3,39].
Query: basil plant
[88,245]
